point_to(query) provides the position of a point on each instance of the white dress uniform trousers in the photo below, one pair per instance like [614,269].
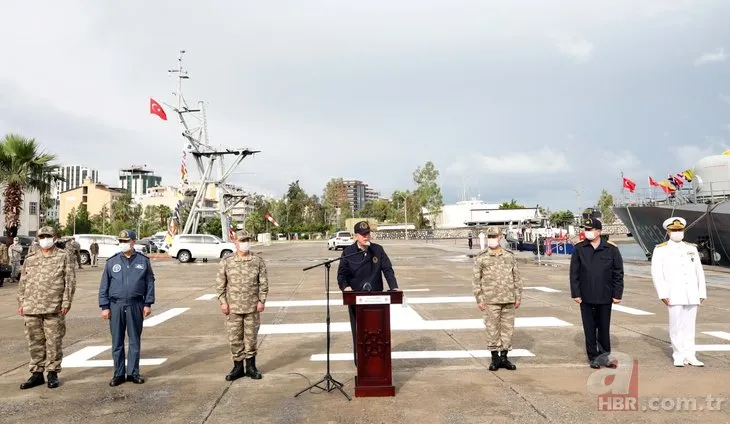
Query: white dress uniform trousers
[678,276]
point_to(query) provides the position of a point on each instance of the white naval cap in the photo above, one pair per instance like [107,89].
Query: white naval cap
[674,223]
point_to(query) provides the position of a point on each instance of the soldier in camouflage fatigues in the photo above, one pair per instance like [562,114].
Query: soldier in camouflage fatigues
[498,290]
[45,292]
[4,259]
[242,285]
[74,249]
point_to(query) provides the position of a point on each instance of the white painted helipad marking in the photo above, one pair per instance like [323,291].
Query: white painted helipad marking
[160,318]
[543,289]
[632,311]
[427,354]
[82,359]
[721,334]
[405,319]
[207,297]
[405,291]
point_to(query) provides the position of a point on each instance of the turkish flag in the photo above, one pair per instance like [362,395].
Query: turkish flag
[156,109]
[629,185]
[653,183]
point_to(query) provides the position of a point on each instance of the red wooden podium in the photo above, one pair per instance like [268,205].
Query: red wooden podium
[372,335]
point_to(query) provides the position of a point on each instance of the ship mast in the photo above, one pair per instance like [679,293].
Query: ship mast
[206,157]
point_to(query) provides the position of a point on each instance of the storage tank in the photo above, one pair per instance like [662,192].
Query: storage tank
[712,175]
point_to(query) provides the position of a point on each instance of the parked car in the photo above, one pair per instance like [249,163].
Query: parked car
[108,246]
[189,247]
[340,240]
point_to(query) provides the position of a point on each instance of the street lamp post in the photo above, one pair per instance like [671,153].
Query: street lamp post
[405,215]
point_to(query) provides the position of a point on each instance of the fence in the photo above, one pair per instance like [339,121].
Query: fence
[462,233]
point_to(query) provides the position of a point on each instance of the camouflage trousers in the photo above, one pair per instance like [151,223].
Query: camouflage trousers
[243,330]
[499,320]
[45,338]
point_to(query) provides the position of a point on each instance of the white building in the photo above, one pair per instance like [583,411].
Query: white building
[138,180]
[29,216]
[475,212]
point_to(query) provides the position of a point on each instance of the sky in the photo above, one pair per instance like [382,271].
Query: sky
[546,102]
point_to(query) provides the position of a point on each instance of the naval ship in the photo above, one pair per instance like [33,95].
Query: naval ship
[704,203]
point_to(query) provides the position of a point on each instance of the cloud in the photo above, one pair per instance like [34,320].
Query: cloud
[621,161]
[688,155]
[711,57]
[577,48]
[543,161]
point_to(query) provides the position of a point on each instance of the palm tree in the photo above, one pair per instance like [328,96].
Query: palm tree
[23,168]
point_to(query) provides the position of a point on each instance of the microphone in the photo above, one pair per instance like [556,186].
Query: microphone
[367,287]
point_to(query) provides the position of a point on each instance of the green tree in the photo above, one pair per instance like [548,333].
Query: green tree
[77,221]
[378,209]
[605,202]
[23,168]
[562,218]
[334,198]
[428,193]
[512,204]
[213,226]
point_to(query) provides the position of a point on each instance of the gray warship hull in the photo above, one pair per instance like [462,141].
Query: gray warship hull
[708,226]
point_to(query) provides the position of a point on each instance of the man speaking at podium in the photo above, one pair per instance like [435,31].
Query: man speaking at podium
[360,270]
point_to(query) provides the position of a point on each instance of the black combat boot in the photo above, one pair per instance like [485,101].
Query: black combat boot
[35,380]
[237,371]
[494,366]
[251,370]
[52,379]
[505,363]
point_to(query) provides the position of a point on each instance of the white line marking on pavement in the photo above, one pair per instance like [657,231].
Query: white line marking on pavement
[405,318]
[713,348]
[159,319]
[207,297]
[632,311]
[405,291]
[427,354]
[721,334]
[82,359]
[543,289]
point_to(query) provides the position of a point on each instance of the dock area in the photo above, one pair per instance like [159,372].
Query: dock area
[440,362]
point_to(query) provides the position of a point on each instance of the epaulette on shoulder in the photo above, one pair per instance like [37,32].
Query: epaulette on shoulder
[611,243]
[508,251]
[691,244]
[662,244]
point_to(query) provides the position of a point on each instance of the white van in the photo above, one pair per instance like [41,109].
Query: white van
[189,247]
[108,246]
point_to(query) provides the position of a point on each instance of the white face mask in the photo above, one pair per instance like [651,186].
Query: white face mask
[45,243]
[676,235]
[124,246]
[244,246]
[590,235]
[492,242]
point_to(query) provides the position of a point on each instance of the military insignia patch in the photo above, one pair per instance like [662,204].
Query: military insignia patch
[375,259]
[116,268]
[123,234]
[363,225]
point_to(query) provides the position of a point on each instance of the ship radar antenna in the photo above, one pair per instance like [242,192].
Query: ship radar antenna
[210,162]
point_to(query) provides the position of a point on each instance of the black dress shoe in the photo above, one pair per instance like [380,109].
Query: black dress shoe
[136,379]
[595,363]
[35,380]
[52,379]
[116,380]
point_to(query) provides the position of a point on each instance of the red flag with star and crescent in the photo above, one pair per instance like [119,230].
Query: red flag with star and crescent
[156,109]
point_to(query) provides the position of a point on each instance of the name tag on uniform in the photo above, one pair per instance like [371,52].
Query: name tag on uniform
[372,300]
[139,266]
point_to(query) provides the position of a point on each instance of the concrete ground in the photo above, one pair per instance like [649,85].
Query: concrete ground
[187,356]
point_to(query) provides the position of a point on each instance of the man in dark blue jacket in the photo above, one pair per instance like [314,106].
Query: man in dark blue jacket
[362,268]
[596,283]
[126,295]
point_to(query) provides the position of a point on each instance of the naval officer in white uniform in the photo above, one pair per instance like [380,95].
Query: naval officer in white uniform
[679,280]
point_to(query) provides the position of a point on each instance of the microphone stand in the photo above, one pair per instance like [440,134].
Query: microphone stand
[330,383]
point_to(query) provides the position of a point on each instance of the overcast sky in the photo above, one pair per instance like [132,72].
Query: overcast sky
[511,99]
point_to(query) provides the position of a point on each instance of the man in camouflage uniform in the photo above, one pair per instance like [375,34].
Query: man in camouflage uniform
[498,290]
[45,291]
[4,260]
[74,249]
[242,285]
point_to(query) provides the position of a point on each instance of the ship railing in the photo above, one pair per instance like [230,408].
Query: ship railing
[713,192]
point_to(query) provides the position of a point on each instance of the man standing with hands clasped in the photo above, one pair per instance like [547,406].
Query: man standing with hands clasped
[126,295]
[360,269]
[679,280]
[596,283]
[242,285]
[497,287]
[45,291]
